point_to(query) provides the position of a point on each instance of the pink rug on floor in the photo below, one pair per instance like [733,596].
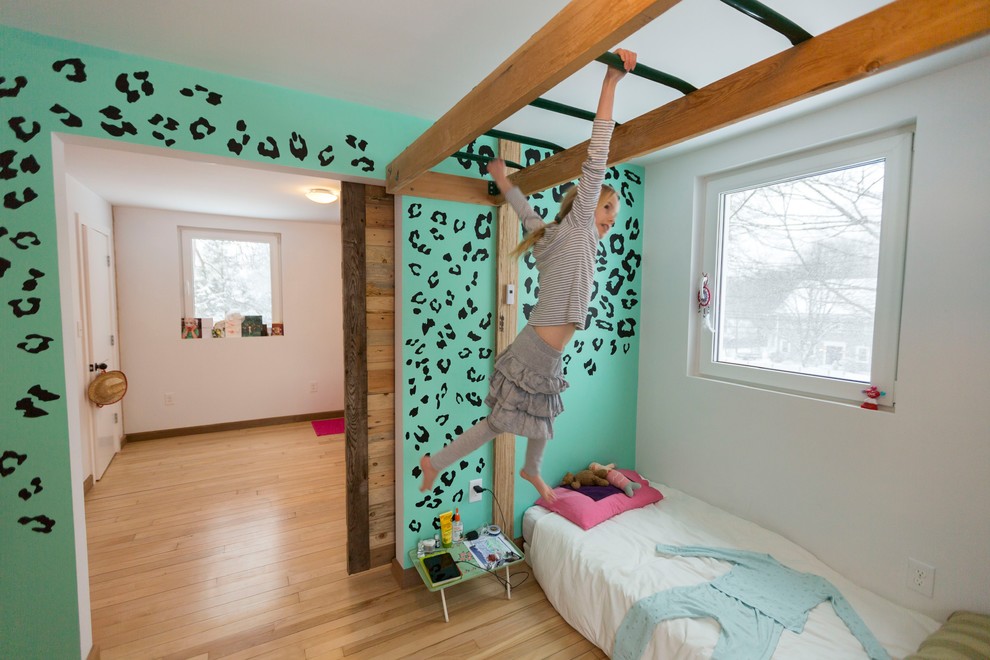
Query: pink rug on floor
[329,426]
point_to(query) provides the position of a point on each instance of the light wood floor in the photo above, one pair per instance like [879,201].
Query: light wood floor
[232,545]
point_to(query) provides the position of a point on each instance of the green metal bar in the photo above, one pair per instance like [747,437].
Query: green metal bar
[644,71]
[513,137]
[560,108]
[483,159]
[770,18]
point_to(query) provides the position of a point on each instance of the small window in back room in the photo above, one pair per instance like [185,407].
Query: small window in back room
[231,272]
[808,257]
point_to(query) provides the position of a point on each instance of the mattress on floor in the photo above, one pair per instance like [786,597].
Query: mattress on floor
[593,577]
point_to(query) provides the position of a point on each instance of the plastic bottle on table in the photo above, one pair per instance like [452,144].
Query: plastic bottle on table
[457,530]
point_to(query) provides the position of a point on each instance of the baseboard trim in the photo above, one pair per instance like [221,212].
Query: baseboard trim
[94,653]
[87,484]
[405,577]
[229,426]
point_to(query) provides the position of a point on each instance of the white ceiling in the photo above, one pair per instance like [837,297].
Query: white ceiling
[157,178]
[414,57]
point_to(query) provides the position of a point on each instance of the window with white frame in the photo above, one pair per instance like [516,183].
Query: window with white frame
[231,272]
[808,254]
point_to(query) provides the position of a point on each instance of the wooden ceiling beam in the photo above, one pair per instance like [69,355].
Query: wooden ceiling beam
[894,34]
[579,33]
[452,188]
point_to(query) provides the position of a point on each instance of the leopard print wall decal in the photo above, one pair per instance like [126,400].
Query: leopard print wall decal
[51,87]
[19,166]
[449,260]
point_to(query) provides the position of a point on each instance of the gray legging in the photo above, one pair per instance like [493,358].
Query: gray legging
[478,435]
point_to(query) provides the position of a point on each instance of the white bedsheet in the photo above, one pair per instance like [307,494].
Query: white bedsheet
[593,577]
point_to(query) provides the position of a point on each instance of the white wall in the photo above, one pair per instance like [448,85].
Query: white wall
[223,380]
[862,490]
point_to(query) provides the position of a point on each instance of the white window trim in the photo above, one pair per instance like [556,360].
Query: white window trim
[896,148]
[274,241]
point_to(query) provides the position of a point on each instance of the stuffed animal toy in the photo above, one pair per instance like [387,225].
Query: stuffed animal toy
[616,478]
[585,478]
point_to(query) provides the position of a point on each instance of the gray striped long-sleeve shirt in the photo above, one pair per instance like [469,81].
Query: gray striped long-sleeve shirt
[565,255]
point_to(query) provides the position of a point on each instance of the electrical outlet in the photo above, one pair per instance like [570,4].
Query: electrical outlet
[169,399]
[313,387]
[473,496]
[921,577]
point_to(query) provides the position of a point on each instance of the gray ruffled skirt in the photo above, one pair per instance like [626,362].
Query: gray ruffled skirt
[524,388]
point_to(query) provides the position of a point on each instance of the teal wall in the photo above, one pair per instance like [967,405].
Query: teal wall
[448,334]
[448,339]
[50,86]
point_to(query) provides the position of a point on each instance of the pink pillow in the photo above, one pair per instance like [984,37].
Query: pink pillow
[586,512]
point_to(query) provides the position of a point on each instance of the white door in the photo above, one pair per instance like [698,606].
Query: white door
[99,337]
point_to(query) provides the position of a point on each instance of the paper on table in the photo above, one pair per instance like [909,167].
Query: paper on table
[486,545]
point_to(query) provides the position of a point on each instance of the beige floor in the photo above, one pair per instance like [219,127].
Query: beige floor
[231,545]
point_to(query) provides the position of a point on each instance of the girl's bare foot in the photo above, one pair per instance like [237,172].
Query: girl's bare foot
[545,491]
[429,473]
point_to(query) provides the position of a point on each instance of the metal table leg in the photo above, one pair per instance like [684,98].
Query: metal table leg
[443,597]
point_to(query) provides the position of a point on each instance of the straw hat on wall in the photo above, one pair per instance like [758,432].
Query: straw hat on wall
[107,388]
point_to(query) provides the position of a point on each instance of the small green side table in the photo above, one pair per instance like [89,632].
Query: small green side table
[461,552]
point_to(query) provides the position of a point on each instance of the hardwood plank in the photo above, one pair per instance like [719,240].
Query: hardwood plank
[380,237]
[897,33]
[380,320]
[381,448]
[381,340]
[492,615]
[382,554]
[379,304]
[381,402]
[234,545]
[379,289]
[381,277]
[381,381]
[381,254]
[580,32]
[379,206]
[384,432]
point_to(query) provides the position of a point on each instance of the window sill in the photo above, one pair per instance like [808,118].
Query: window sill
[809,396]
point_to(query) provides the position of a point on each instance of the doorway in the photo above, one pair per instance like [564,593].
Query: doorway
[370,417]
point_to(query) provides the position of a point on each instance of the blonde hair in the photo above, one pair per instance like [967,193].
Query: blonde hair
[607,193]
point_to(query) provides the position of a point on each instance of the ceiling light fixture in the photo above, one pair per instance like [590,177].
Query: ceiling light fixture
[321,195]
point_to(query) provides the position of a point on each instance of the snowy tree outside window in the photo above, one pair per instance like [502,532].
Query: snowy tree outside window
[230,272]
[799,277]
[808,254]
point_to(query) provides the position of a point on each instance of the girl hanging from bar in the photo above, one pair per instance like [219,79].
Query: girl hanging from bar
[525,387]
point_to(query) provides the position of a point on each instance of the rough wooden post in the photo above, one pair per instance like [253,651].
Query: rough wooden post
[355,374]
[504,452]
[368,273]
